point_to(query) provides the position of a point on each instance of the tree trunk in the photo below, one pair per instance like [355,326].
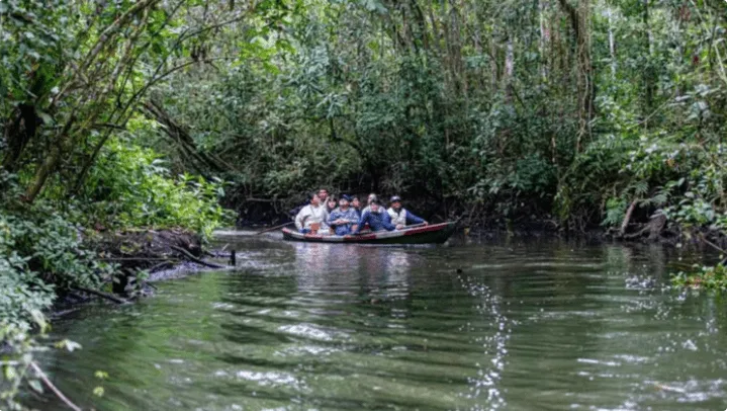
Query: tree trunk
[648,72]
[18,133]
[611,42]
[580,17]
[543,40]
[49,163]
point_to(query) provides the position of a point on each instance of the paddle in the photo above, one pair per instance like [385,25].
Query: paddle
[268,230]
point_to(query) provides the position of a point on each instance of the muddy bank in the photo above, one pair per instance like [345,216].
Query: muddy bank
[142,257]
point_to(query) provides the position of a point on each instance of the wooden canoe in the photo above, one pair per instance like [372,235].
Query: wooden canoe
[430,234]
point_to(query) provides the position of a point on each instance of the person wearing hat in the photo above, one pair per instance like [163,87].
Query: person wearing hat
[376,217]
[344,218]
[313,217]
[400,216]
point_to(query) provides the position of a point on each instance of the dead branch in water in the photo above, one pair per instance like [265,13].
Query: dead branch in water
[52,387]
[628,215]
[110,297]
[194,259]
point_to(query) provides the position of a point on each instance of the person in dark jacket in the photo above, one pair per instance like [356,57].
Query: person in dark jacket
[376,217]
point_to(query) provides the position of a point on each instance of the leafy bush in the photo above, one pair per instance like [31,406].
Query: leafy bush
[131,187]
[19,347]
[23,295]
[40,251]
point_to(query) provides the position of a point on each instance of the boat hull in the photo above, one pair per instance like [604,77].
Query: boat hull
[431,234]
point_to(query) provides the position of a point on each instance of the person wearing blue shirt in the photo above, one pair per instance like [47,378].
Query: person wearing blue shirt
[344,218]
[377,218]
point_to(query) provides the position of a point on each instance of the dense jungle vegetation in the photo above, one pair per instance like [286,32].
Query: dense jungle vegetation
[152,113]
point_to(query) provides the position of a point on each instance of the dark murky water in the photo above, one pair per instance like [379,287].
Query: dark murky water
[510,325]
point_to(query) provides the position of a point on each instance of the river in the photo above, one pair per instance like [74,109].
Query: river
[511,324]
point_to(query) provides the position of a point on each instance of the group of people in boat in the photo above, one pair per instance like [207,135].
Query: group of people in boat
[325,215]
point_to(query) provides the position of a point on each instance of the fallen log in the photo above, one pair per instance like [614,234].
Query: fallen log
[136,250]
[194,259]
[110,297]
[628,215]
[654,227]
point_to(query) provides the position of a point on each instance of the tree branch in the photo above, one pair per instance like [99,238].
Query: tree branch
[52,387]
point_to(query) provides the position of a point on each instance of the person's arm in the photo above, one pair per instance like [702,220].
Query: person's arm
[411,218]
[387,222]
[362,222]
[334,216]
[299,220]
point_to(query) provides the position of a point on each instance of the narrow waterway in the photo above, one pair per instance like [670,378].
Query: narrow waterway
[512,324]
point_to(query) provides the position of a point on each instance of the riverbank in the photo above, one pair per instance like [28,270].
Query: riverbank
[140,257]
[126,263]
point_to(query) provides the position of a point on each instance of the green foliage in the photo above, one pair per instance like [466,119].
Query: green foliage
[18,349]
[614,211]
[19,371]
[41,250]
[353,104]
[23,295]
[707,278]
[479,105]
[131,187]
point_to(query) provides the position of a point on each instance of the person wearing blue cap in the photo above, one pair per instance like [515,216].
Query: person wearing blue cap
[401,216]
[344,218]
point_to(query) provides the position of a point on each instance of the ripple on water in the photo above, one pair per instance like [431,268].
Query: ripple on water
[515,326]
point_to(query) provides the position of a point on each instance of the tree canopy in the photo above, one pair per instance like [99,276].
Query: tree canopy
[569,110]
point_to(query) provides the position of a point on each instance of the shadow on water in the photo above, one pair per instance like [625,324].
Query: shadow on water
[515,325]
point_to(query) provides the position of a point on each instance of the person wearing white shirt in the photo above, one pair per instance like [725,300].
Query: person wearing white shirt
[312,218]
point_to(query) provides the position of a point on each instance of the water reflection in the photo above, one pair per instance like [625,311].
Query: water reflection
[382,272]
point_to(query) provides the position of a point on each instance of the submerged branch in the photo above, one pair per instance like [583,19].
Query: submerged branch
[52,387]
[102,294]
[194,259]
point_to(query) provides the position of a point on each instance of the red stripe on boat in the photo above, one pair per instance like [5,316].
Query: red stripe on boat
[428,228]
